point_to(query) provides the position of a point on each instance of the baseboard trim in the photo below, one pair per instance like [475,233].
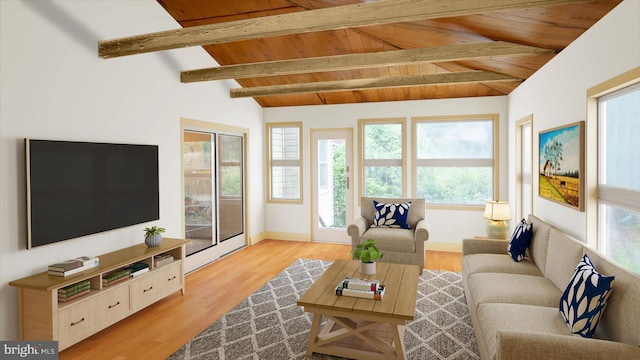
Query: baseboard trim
[279,236]
[441,246]
[276,235]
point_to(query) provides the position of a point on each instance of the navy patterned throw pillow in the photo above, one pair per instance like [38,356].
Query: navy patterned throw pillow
[391,215]
[585,298]
[520,240]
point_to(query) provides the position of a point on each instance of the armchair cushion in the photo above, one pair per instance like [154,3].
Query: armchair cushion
[397,240]
[391,215]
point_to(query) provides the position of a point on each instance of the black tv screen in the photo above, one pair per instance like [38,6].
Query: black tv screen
[79,188]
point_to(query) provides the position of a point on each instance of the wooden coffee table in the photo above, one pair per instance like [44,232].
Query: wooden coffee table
[361,328]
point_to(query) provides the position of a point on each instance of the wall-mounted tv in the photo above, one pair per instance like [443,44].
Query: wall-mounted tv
[80,188]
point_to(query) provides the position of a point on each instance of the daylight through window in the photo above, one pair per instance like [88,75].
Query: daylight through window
[454,159]
[619,176]
[285,147]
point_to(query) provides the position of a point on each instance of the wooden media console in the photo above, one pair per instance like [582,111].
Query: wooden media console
[42,317]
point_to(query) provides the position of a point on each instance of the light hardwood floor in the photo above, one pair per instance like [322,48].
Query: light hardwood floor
[162,328]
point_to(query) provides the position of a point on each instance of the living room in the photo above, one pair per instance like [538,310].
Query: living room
[54,86]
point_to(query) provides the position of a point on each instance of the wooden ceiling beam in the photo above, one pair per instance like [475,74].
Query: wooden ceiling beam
[333,18]
[371,83]
[447,53]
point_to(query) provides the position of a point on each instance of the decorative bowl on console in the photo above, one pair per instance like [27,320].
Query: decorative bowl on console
[153,236]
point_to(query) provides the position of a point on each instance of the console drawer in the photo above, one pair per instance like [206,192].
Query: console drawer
[154,286]
[114,306]
[77,322]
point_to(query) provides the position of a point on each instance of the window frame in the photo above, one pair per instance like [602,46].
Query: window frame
[609,195]
[295,163]
[592,205]
[494,118]
[523,176]
[403,162]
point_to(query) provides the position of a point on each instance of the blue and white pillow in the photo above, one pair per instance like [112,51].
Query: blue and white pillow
[520,240]
[585,298]
[391,215]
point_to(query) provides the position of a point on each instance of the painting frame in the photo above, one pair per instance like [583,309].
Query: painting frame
[561,158]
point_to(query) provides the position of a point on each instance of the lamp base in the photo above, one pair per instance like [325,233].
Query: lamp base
[497,229]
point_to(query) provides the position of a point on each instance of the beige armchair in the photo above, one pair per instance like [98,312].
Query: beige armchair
[402,246]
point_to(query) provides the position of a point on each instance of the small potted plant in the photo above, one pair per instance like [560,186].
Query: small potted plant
[367,253]
[153,235]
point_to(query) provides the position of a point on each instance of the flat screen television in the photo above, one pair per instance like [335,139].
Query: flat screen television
[80,188]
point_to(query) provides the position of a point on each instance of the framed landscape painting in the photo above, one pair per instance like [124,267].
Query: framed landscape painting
[561,162]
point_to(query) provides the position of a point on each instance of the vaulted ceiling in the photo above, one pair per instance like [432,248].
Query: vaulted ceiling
[314,52]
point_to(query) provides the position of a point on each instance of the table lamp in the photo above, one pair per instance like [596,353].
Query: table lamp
[497,212]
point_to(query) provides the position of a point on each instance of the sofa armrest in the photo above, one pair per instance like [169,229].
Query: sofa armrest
[422,231]
[483,246]
[523,345]
[357,229]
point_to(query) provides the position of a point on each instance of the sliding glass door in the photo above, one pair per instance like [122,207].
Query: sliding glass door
[230,189]
[213,180]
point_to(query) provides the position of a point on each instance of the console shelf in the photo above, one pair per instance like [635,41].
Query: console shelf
[42,317]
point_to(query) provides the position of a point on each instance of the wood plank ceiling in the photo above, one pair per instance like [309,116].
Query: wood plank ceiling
[488,53]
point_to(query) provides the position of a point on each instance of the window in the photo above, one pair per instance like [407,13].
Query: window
[383,157]
[284,148]
[619,176]
[454,159]
[323,164]
[524,162]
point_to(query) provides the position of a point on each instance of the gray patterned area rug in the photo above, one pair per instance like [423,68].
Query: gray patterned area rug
[268,325]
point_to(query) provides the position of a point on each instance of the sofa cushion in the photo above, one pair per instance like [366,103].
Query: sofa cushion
[513,288]
[495,316]
[585,298]
[391,239]
[393,215]
[520,240]
[497,263]
[539,242]
[563,253]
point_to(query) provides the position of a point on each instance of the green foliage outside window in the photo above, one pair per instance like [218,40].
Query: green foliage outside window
[383,141]
[623,236]
[455,186]
[383,181]
[339,188]
[231,181]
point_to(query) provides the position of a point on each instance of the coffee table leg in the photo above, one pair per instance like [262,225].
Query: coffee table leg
[313,334]
[398,333]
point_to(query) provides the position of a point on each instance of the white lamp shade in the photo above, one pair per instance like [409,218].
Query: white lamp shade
[497,210]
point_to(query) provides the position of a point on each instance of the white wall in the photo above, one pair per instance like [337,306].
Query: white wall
[556,95]
[54,86]
[448,227]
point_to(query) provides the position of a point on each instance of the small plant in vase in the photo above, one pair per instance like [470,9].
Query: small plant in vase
[367,253]
[153,235]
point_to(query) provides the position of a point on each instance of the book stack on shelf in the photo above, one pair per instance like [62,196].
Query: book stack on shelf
[74,291]
[162,259]
[138,268]
[115,277]
[73,266]
[362,288]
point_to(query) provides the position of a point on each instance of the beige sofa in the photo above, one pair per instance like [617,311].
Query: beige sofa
[514,305]
[401,246]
